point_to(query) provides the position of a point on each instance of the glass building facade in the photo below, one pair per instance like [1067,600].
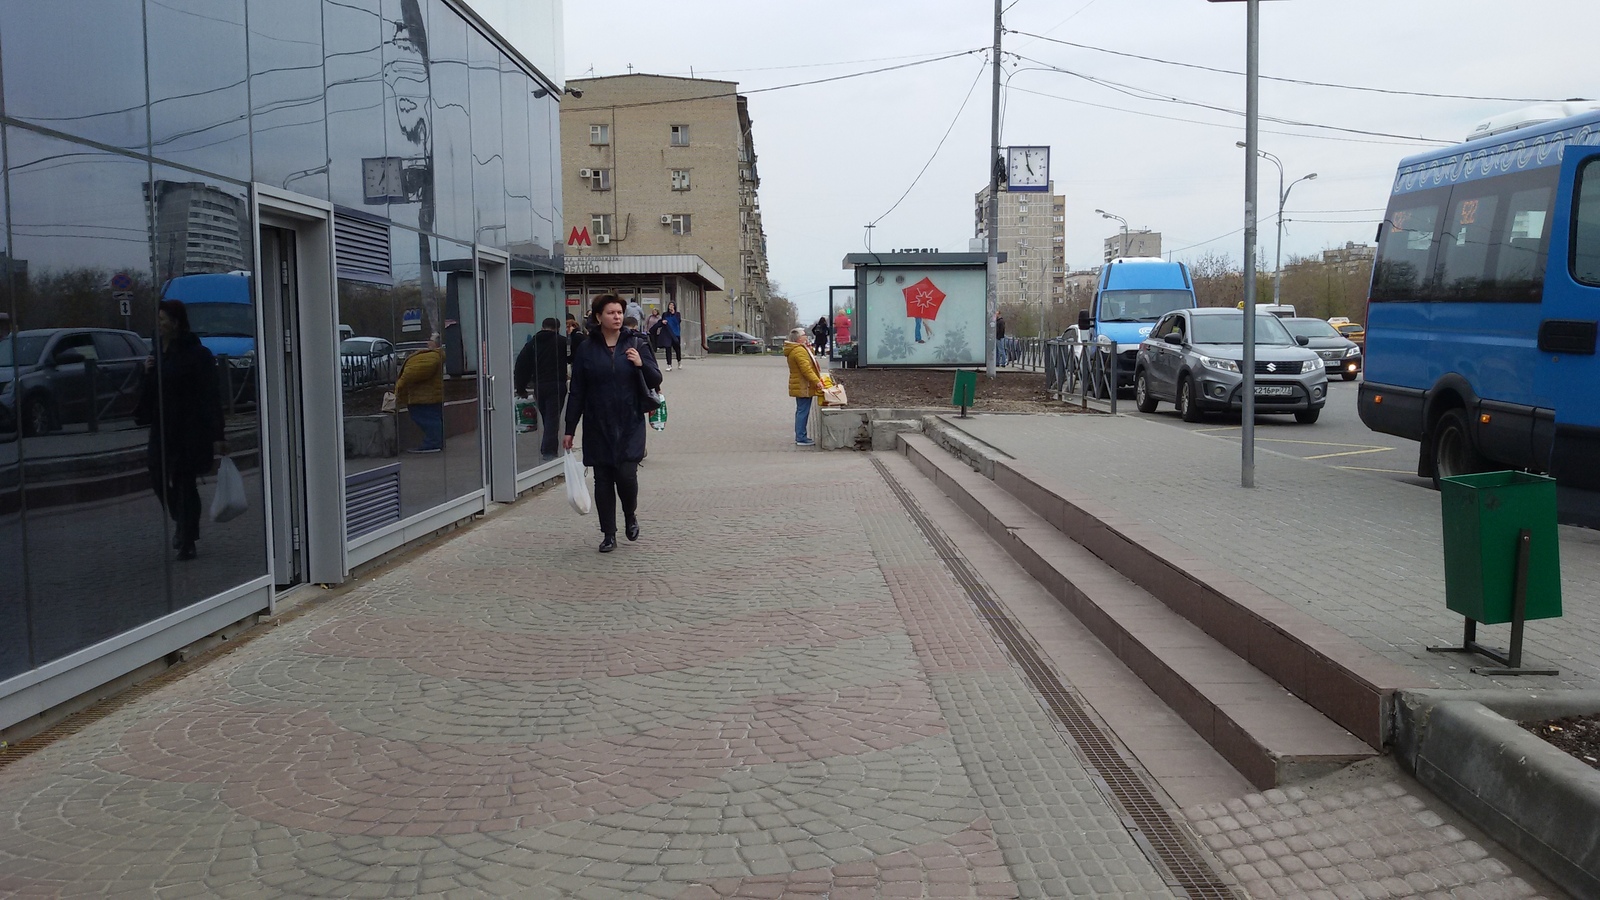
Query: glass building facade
[351,199]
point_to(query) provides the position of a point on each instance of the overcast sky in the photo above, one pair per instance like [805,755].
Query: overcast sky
[836,156]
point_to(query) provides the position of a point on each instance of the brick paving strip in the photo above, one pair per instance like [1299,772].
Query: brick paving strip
[778,691]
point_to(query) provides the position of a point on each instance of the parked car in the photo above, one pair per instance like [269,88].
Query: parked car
[1192,358]
[1340,355]
[366,361]
[734,342]
[50,377]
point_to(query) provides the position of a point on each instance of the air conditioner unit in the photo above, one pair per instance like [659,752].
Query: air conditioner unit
[602,239]
[666,220]
[585,173]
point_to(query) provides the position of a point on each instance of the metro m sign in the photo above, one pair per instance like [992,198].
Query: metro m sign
[579,237]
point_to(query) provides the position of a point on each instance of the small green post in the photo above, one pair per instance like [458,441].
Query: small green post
[966,387]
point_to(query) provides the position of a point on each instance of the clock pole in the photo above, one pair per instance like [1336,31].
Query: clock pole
[993,286]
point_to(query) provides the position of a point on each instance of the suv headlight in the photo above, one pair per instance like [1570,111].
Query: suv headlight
[1221,365]
[1313,365]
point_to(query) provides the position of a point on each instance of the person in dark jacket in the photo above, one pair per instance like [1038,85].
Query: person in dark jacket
[575,335]
[819,335]
[181,404]
[611,370]
[543,361]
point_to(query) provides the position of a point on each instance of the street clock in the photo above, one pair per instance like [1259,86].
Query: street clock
[1027,168]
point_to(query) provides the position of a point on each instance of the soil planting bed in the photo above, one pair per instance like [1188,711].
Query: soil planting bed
[931,389]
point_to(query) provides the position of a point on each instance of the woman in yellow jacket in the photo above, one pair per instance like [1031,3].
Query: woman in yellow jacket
[805,382]
[421,388]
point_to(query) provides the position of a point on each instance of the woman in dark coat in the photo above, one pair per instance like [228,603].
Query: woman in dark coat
[610,371]
[186,428]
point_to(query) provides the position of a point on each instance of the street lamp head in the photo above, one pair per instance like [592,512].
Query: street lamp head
[1239,144]
[1312,177]
[1101,212]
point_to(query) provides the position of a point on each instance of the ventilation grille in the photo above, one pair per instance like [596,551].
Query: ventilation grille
[361,249]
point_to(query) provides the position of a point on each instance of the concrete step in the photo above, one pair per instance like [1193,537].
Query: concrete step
[1321,665]
[1269,735]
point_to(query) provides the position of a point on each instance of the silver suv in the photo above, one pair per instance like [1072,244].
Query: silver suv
[1192,360]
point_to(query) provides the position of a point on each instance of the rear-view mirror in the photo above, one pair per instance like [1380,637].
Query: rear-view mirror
[1302,340]
[1084,319]
[1173,338]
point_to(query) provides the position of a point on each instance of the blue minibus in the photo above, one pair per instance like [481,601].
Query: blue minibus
[1481,318]
[1133,294]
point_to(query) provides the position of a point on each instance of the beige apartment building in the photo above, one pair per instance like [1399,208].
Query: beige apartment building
[1125,243]
[654,165]
[1033,233]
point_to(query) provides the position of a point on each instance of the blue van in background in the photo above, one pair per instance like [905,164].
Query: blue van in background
[1133,294]
[223,315]
[1485,304]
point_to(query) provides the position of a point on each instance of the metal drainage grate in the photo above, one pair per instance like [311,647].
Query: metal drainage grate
[1152,827]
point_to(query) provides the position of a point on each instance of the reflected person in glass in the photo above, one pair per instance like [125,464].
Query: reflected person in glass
[421,388]
[543,362]
[186,428]
[611,370]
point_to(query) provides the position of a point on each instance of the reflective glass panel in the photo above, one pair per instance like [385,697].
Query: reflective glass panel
[360,174]
[543,154]
[105,101]
[539,371]
[488,166]
[408,111]
[14,655]
[458,288]
[452,129]
[289,136]
[80,224]
[516,91]
[204,248]
[199,95]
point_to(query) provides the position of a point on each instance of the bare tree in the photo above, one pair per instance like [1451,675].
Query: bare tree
[1217,281]
[781,312]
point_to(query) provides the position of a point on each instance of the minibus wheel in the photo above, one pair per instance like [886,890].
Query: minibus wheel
[1453,450]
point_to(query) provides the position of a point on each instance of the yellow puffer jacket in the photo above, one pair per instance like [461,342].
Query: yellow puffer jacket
[422,378]
[804,379]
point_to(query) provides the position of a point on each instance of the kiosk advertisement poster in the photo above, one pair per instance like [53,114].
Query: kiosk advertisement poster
[925,317]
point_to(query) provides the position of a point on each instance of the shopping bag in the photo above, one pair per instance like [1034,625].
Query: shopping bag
[229,500]
[388,402]
[834,395]
[577,489]
[658,416]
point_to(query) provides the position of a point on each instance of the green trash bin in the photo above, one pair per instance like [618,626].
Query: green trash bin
[1484,515]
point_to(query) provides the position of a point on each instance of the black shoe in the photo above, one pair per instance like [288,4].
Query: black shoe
[632,531]
[609,544]
[186,552]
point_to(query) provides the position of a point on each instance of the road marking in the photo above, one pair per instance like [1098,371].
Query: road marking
[1347,452]
[1367,469]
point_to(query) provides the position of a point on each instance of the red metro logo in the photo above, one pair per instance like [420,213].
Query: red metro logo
[579,238]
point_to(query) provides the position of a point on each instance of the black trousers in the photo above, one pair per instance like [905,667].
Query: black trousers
[180,494]
[550,397]
[675,347]
[610,484]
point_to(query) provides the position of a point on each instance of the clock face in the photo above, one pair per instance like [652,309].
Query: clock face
[1028,168]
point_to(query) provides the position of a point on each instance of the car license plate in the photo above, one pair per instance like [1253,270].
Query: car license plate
[1274,390]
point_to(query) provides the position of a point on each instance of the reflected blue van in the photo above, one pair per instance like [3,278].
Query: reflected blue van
[223,315]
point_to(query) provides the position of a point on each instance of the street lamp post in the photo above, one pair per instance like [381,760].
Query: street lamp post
[1106,215]
[1283,198]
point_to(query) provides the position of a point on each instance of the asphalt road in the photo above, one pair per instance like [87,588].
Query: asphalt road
[1338,438]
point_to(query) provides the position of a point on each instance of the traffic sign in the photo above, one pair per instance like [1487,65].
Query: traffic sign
[122,281]
[125,307]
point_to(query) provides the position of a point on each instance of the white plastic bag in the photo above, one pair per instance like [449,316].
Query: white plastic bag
[577,489]
[229,501]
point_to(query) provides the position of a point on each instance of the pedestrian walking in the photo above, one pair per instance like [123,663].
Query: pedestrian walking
[611,371]
[675,322]
[805,382]
[421,388]
[634,309]
[186,430]
[819,333]
[543,361]
[575,335]
[660,334]
[1000,340]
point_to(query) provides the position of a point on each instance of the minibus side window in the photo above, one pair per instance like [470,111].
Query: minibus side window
[1409,233]
[1464,247]
[1586,225]
[1525,229]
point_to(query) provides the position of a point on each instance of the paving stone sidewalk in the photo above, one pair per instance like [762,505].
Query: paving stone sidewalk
[1361,553]
[777,691]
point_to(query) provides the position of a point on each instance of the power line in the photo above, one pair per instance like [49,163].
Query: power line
[846,62]
[1139,93]
[1323,84]
[937,148]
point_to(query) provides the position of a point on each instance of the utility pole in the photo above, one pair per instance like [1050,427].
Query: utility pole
[1252,112]
[994,199]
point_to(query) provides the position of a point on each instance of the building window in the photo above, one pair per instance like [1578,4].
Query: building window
[680,223]
[680,179]
[598,179]
[680,135]
[599,134]
[600,225]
